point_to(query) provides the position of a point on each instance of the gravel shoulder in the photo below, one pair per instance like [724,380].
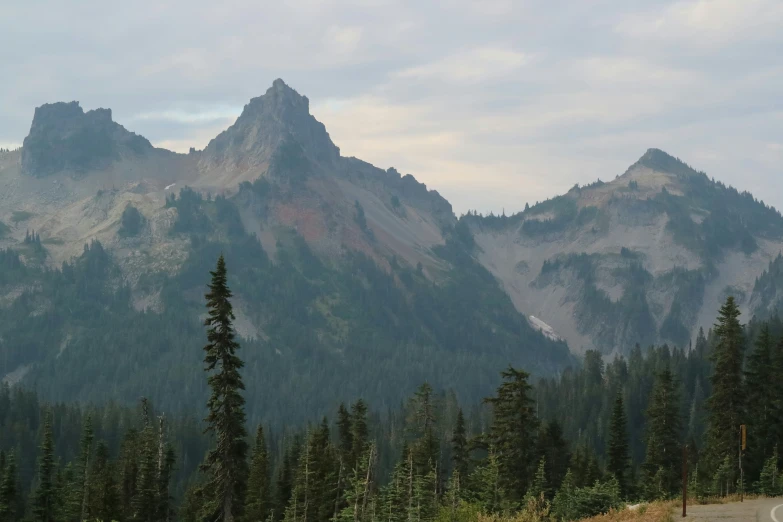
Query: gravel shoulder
[760,509]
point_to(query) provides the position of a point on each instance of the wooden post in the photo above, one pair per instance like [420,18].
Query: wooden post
[741,448]
[684,479]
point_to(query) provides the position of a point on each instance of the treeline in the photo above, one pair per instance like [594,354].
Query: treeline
[567,448]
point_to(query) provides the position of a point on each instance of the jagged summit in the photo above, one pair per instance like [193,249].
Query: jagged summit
[281,115]
[65,138]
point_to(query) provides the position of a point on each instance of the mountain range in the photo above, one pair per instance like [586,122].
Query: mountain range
[349,280]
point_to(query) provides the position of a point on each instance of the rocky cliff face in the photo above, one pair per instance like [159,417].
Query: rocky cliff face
[81,170]
[645,258]
[65,138]
[280,117]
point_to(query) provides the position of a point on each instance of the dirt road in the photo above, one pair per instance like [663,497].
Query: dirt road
[761,510]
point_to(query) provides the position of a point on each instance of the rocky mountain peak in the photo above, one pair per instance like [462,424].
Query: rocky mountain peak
[281,115]
[65,138]
[660,161]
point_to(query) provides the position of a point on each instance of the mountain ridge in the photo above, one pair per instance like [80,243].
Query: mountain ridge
[337,267]
[645,258]
[352,254]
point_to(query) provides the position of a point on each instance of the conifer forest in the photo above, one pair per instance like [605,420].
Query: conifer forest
[597,436]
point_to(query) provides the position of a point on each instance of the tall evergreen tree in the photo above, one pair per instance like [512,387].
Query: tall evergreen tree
[81,487]
[513,432]
[360,433]
[760,386]
[166,460]
[618,457]
[257,497]
[128,472]
[421,429]
[459,447]
[344,433]
[165,510]
[144,501]
[226,463]
[663,459]
[45,501]
[725,405]
[776,420]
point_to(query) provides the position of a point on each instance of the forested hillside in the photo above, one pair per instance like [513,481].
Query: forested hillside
[314,331]
[557,449]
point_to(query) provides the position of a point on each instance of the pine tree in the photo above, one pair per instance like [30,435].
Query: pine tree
[664,426]
[165,510]
[421,429]
[344,432]
[8,491]
[64,482]
[618,458]
[167,458]
[257,497]
[513,432]
[128,472]
[45,501]
[760,386]
[696,413]
[360,433]
[226,464]
[725,405]
[553,448]
[487,484]
[144,501]
[285,478]
[538,488]
[452,497]
[359,490]
[104,499]
[313,490]
[564,504]
[344,455]
[425,496]
[395,494]
[325,479]
[776,420]
[81,488]
[459,447]
[770,482]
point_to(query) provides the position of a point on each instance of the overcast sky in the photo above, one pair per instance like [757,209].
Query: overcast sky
[494,103]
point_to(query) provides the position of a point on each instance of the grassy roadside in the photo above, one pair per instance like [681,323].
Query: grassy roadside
[653,512]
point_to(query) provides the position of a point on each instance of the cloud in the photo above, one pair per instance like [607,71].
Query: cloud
[706,23]
[474,65]
[343,40]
